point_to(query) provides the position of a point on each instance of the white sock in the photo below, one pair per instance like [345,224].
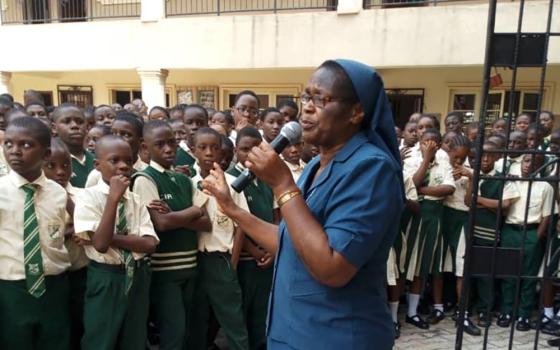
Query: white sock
[438,307]
[549,312]
[413,300]
[394,306]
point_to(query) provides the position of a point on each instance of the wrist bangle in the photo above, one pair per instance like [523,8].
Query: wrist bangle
[286,196]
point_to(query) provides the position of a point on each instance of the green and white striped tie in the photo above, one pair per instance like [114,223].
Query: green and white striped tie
[122,229]
[32,259]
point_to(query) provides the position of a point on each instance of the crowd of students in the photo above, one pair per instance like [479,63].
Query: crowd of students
[120,243]
[107,238]
[430,249]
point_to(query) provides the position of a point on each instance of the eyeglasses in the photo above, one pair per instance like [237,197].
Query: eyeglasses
[252,111]
[318,100]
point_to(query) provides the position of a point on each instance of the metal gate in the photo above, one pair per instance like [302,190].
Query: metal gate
[517,51]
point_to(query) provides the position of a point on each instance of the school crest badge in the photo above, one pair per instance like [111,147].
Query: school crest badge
[33,269]
[54,230]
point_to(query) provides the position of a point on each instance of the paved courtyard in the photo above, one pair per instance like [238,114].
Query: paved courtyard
[442,336]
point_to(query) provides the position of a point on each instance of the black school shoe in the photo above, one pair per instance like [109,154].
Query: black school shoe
[417,321]
[504,320]
[469,327]
[435,317]
[544,321]
[397,326]
[551,328]
[553,342]
[523,324]
[484,319]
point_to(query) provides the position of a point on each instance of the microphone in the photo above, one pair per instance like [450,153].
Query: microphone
[290,134]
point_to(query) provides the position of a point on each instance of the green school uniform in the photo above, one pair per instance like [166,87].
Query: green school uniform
[184,158]
[255,282]
[174,264]
[81,170]
[484,235]
[409,233]
[20,311]
[430,239]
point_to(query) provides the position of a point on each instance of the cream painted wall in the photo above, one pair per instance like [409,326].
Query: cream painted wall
[437,82]
[399,37]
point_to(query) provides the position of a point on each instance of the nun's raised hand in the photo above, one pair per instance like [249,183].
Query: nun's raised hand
[267,165]
[215,185]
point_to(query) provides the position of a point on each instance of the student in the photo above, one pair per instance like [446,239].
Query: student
[5,107]
[271,123]
[309,152]
[174,264]
[546,119]
[410,137]
[117,107]
[531,237]
[484,230]
[227,153]
[219,252]
[69,124]
[535,134]
[397,261]
[127,126]
[245,110]
[34,289]
[434,181]
[292,157]
[118,234]
[289,110]
[94,134]
[255,264]
[179,130]
[454,122]
[39,111]
[177,112]
[224,119]
[424,123]
[58,168]
[104,115]
[398,132]
[517,142]
[196,117]
[472,131]
[499,126]
[455,215]
[158,113]
[88,114]
[522,122]
[446,140]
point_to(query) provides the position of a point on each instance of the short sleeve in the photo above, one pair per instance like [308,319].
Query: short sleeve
[447,174]
[87,214]
[240,200]
[548,201]
[93,178]
[199,199]
[363,209]
[146,226]
[410,189]
[146,189]
[510,191]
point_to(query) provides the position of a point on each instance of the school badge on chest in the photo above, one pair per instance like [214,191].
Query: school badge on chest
[33,269]
[173,179]
[54,230]
[249,198]
[438,180]
[222,220]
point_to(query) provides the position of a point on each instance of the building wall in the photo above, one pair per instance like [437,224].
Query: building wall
[437,82]
[386,38]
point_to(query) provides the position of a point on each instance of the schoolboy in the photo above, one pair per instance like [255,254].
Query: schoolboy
[219,251]
[120,235]
[195,117]
[95,133]
[531,235]
[127,126]
[292,158]
[58,168]
[254,270]
[454,122]
[289,110]
[485,228]
[34,289]
[517,142]
[104,115]
[175,260]
[70,125]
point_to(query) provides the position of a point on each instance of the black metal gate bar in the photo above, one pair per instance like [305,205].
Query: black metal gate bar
[513,56]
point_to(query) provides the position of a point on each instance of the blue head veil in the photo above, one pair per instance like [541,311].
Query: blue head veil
[378,119]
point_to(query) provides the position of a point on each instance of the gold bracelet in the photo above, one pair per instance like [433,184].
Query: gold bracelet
[286,196]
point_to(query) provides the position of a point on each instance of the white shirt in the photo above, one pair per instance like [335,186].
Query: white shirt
[540,203]
[89,207]
[95,175]
[223,227]
[50,210]
[78,257]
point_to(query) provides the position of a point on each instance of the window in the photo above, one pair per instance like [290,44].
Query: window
[405,102]
[525,100]
[47,97]
[81,96]
[36,11]
[269,96]
[123,97]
